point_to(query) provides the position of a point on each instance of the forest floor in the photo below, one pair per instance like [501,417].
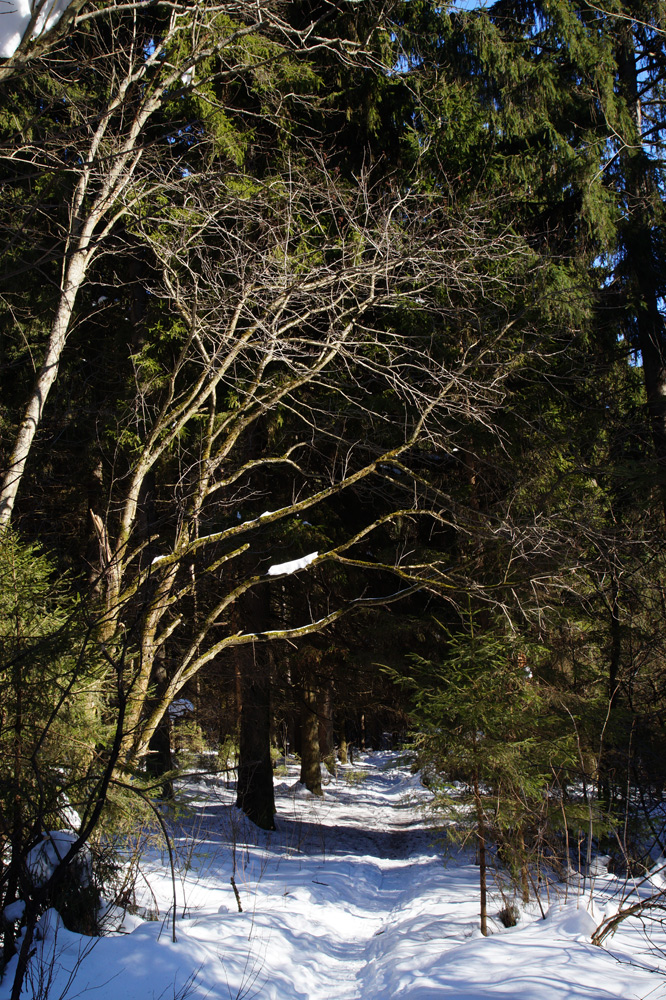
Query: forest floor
[349,899]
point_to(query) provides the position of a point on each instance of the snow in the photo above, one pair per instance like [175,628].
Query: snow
[348,899]
[181,706]
[45,856]
[69,815]
[658,873]
[15,16]
[13,912]
[292,567]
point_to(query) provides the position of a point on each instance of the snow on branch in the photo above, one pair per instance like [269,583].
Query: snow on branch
[20,16]
[285,569]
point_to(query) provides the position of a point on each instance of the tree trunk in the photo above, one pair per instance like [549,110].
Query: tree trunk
[641,265]
[48,372]
[25,952]
[255,770]
[159,760]
[481,839]
[524,872]
[310,760]
[651,339]
[326,739]
[117,173]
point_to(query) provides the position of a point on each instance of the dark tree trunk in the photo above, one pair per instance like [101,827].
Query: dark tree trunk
[25,951]
[524,870]
[326,737]
[342,748]
[616,645]
[160,761]
[9,934]
[641,257]
[609,757]
[481,838]
[310,758]
[237,696]
[651,339]
[255,769]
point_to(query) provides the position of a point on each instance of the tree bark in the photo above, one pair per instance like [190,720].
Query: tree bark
[46,377]
[326,739]
[310,757]
[640,262]
[481,839]
[255,770]
[524,871]
[159,760]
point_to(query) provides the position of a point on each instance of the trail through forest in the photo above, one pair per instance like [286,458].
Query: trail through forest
[348,900]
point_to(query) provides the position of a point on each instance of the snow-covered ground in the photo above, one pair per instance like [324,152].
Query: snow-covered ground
[348,900]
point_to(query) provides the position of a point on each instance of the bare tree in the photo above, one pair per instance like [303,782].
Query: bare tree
[141,59]
[287,297]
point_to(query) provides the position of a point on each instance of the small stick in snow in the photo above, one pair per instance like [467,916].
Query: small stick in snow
[236,894]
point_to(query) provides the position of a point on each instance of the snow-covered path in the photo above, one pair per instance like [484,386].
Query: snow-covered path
[348,900]
[342,881]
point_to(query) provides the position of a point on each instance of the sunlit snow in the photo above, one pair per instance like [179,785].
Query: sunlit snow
[292,567]
[15,17]
[350,899]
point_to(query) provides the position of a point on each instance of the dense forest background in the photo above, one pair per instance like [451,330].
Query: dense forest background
[333,410]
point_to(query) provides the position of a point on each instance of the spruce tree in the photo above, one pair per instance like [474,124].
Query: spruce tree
[488,746]
[52,720]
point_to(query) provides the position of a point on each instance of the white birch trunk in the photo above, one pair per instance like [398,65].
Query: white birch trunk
[47,375]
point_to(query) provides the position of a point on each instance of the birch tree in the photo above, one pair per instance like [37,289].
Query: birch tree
[136,61]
